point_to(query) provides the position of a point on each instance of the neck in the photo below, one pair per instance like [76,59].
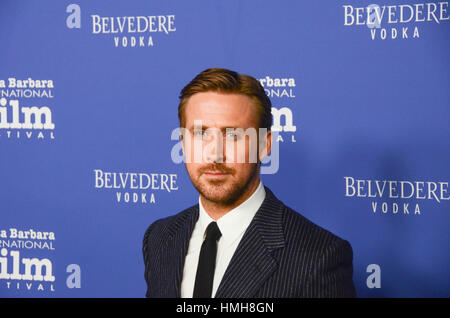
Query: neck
[217,210]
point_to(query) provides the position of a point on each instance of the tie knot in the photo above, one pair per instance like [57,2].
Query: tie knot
[213,232]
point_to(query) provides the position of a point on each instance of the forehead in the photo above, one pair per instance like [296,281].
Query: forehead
[221,110]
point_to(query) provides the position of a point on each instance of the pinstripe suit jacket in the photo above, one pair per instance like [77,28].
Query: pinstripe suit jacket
[282,254]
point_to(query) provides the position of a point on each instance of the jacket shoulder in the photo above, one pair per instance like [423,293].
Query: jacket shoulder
[163,223]
[157,232]
[327,258]
[298,227]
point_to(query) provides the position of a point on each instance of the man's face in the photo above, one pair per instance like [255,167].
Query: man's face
[220,163]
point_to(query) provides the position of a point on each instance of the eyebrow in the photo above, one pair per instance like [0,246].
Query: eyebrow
[223,129]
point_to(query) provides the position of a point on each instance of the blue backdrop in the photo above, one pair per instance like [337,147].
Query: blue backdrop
[88,103]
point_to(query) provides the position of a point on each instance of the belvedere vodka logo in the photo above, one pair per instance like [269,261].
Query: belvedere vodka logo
[134,187]
[125,31]
[25,110]
[398,197]
[396,21]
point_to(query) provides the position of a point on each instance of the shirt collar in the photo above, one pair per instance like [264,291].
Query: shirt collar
[236,221]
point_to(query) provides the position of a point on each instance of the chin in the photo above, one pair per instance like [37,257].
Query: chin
[219,193]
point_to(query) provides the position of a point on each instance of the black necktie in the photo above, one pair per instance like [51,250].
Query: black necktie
[207,263]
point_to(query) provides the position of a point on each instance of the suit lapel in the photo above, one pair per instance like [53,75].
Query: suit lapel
[253,263]
[179,235]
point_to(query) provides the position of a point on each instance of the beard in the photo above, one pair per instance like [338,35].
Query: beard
[223,192]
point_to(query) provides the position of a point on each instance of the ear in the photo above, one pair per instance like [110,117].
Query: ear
[182,131]
[265,145]
[186,144]
[181,137]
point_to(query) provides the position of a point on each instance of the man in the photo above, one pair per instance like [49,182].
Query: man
[239,240]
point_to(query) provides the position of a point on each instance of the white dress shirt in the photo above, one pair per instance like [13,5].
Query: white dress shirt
[232,226]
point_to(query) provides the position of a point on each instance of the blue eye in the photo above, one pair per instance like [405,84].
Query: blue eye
[199,133]
[232,135]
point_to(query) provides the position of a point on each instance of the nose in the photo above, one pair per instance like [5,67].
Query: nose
[214,152]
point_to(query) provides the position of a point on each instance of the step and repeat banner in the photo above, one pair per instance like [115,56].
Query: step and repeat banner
[90,156]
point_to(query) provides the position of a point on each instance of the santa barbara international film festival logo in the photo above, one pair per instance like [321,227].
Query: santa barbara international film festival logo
[396,21]
[281,91]
[19,271]
[124,31]
[25,111]
[396,197]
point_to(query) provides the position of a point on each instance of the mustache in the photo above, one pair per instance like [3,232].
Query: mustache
[217,167]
